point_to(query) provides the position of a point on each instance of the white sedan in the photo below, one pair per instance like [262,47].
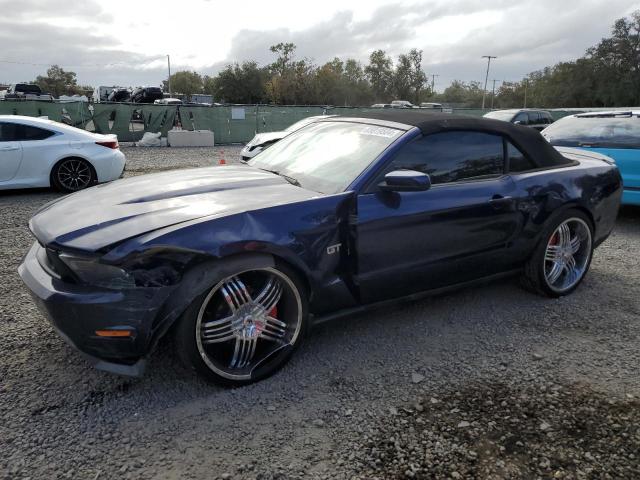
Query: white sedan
[35,152]
[264,140]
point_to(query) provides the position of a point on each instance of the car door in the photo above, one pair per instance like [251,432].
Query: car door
[37,149]
[456,231]
[537,120]
[10,151]
[534,120]
[521,118]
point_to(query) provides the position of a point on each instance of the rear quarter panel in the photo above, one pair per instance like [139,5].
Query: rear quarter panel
[593,186]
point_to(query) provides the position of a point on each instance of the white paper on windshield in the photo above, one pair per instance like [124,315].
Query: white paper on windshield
[380,131]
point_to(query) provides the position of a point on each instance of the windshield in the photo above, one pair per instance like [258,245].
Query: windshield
[326,157]
[620,132]
[504,116]
[298,125]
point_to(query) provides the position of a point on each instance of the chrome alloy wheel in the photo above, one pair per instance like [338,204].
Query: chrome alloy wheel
[247,320]
[74,174]
[567,255]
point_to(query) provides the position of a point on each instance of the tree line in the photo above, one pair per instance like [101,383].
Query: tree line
[607,75]
[289,81]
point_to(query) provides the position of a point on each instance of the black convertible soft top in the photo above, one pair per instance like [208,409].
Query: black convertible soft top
[527,139]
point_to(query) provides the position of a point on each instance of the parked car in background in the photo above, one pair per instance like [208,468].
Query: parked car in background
[538,119]
[26,91]
[35,152]
[201,99]
[168,101]
[263,141]
[402,104]
[615,134]
[146,94]
[119,94]
[235,262]
[381,105]
[101,93]
[72,98]
[431,105]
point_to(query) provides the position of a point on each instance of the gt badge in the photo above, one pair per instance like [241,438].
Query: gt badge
[331,249]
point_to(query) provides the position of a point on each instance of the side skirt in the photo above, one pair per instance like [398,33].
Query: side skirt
[319,320]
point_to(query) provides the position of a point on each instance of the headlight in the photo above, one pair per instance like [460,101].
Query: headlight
[89,270]
[154,268]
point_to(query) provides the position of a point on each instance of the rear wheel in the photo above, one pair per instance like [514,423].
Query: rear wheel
[72,174]
[563,257]
[245,327]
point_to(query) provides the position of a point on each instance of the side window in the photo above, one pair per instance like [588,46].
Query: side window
[452,156]
[625,133]
[522,117]
[8,132]
[517,160]
[27,132]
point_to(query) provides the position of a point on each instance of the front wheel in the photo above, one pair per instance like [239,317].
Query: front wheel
[563,256]
[245,327]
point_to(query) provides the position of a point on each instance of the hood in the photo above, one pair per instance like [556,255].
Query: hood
[100,216]
[262,138]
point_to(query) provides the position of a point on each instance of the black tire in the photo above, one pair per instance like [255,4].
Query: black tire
[536,277]
[207,360]
[72,175]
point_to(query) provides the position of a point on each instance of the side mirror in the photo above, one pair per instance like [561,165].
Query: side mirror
[518,122]
[405,181]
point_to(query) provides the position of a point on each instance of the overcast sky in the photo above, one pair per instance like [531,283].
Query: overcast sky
[125,42]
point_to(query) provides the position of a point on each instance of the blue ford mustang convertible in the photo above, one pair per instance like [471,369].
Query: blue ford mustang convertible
[235,262]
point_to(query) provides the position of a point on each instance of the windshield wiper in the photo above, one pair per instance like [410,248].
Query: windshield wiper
[289,179]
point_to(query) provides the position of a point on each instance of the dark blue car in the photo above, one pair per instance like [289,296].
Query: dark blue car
[235,262]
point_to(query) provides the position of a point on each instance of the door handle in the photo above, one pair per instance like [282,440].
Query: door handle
[499,202]
[9,149]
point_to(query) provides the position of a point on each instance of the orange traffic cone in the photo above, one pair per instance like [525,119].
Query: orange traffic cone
[222,160]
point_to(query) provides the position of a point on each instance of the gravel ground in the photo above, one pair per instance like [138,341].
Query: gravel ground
[490,382]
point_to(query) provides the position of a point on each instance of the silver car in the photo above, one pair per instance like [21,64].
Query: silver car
[264,140]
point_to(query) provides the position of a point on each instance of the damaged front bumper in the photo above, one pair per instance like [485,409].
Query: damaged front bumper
[78,312]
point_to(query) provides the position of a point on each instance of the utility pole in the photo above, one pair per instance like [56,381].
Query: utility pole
[493,92]
[526,83]
[433,83]
[486,78]
[169,79]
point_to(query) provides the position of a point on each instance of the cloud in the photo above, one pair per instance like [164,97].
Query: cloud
[529,37]
[36,41]
[391,27]
[29,10]
[525,35]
